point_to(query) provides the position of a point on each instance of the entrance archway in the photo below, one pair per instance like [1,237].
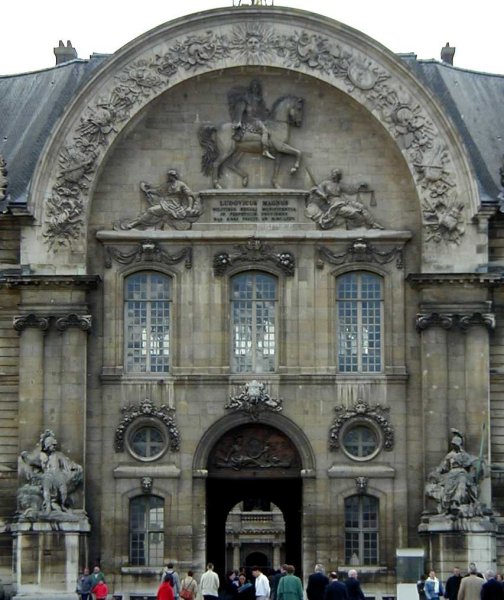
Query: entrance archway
[254,464]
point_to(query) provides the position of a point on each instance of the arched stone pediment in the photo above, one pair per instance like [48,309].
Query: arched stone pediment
[225,39]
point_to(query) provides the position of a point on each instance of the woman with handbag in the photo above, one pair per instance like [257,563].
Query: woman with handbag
[188,587]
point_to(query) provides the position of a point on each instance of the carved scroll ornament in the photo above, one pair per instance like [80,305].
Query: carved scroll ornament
[254,43]
[146,408]
[254,251]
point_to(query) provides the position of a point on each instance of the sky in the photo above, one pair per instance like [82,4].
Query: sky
[30,29]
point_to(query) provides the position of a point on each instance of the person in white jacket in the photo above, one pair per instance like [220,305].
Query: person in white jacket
[209,583]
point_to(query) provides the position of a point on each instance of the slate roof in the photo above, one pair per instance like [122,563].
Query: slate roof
[31,103]
[475,103]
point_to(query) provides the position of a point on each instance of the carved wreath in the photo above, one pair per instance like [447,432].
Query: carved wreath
[361,410]
[255,44]
[146,408]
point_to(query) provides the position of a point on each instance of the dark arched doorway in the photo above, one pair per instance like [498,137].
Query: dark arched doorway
[254,464]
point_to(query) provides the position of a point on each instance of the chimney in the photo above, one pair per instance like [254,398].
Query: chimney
[64,53]
[447,53]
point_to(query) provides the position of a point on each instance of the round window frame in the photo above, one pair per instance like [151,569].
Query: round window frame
[141,424]
[369,424]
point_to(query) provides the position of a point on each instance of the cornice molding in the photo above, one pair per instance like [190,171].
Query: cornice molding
[420,280]
[89,282]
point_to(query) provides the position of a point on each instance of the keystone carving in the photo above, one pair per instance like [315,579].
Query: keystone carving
[253,400]
[146,484]
[362,410]
[147,251]
[254,251]
[361,484]
[255,43]
[360,251]
[146,408]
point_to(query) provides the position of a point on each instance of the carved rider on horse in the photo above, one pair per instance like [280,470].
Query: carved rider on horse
[248,112]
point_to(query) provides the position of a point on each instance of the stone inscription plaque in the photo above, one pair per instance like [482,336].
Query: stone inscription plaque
[225,206]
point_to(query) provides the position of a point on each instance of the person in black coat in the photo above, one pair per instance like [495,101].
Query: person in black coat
[492,589]
[353,586]
[335,590]
[453,584]
[317,583]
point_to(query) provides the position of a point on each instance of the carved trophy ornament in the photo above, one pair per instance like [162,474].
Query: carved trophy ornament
[50,478]
[454,484]
[253,129]
[253,399]
[332,204]
[3,179]
[171,203]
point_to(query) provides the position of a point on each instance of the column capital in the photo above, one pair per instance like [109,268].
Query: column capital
[82,322]
[451,320]
[21,322]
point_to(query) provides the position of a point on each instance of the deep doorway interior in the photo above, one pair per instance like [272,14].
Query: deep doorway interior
[224,494]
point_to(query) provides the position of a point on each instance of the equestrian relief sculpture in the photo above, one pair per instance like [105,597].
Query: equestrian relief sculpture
[253,129]
[50,478]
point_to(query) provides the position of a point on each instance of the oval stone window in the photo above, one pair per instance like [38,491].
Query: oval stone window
[361,442]
[147,442]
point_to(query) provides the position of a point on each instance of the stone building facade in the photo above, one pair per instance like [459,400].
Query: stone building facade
[255,259]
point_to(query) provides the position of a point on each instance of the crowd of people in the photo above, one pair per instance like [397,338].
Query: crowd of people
[238,585]
[472,586]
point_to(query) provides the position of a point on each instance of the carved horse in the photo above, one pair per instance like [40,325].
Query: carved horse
[221,149]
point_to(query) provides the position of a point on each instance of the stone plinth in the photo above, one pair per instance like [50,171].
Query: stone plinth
[48,556]
[455,542]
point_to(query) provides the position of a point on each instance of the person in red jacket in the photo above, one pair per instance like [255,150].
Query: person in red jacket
[165,590]
[100,590]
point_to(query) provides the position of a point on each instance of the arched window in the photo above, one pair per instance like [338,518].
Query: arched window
[253,322]
[359,322]
[361,530]
[147,297]
[146,527]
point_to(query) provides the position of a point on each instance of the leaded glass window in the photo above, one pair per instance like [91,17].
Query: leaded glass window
[361,530]
[147,322]
[253,316]
[359,322]
[146,531]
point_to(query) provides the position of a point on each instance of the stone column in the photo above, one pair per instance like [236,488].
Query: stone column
[433,328]
[31,378]
[74,329]
[477,390]
[236,556]
[199,519]
[276,555]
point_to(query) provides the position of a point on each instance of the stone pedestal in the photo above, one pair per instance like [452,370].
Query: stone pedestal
[48,556]
[452,542]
